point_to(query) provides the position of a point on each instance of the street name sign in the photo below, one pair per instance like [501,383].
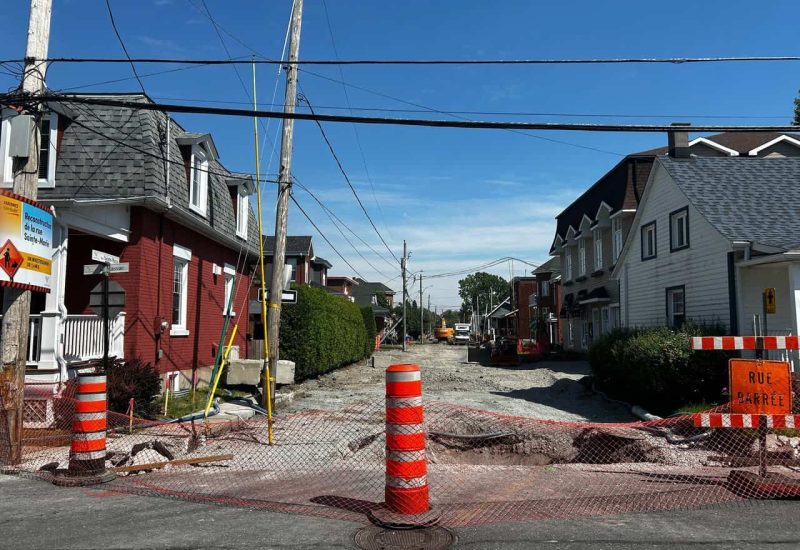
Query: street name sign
[99,269]
[104,257]
[287,296]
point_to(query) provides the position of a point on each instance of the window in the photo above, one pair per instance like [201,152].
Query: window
[545,288]
[598,250]
[581,256]
[568,264]
[649,241]
[198,181]
[292,262]
[180,293]
[242,213]
[230,274]
[676,306]
[597,328]
[585,336]
[615,318]
[47,149]
[616,238]
[679,229]
[570,334]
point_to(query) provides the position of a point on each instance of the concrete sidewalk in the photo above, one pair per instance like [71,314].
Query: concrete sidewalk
[34,514]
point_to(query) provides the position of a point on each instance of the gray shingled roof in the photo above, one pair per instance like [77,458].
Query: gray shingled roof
[295,245]
[747,199]
[110,153]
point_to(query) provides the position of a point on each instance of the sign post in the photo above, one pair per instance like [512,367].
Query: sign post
[107,298]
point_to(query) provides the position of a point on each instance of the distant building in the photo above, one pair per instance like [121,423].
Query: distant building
[378,296]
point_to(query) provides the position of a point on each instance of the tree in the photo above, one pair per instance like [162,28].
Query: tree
[487,288]
[796,120]
[451,317]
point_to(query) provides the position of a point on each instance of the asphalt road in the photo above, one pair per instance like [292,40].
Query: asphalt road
[35,514]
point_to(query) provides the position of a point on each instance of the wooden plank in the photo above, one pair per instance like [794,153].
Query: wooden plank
[158,465]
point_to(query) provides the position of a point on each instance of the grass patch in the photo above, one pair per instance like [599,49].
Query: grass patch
[181,406]
[692,408]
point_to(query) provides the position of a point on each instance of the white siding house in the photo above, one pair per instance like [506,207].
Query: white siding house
[699,268]
[722,236]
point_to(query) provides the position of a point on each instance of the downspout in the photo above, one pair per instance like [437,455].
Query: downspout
[62,309]
[732,302]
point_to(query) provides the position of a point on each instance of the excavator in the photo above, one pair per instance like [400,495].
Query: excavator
[443,333]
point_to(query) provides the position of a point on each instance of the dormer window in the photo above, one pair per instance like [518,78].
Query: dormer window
[198,181]
[242,213]
[46,150]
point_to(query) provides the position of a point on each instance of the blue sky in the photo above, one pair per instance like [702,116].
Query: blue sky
[459,197]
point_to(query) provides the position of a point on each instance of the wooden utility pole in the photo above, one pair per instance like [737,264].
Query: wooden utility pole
[284,191]
[403,265]
[430,324]
[17,303]
[421,310]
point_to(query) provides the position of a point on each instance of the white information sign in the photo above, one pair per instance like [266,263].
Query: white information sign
[26,243]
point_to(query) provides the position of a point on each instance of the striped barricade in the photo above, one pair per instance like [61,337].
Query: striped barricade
[745,342]
[724,420]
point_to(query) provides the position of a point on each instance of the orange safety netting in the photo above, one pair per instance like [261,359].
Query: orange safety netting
[483,467]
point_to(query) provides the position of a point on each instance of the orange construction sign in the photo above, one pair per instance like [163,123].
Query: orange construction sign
[760,387]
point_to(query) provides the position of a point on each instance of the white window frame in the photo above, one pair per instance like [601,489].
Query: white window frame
[242,213]
[544,291]
[198,178]
[581,257]
[647,229]
[181,256]
[598,249]
[7,164]
[616,238]
[676,219]
[568,264]
[614,317]
[229,273]
[570,333]
[671,313]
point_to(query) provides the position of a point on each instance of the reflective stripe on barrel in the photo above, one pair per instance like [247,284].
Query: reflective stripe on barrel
[406,467]
[89,422]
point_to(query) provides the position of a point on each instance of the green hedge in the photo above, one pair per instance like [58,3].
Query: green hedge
[322,332]
[657,369]
[372,330]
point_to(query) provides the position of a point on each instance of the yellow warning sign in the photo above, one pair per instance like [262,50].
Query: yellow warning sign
[769,301]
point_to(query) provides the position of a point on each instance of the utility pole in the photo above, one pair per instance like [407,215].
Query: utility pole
[284,191]
[421,311]
[430,324]
[16,307]
[403,265]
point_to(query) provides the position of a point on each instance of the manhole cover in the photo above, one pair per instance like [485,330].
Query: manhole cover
[378,538]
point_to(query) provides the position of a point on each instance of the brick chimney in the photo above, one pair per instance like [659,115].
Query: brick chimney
[679,140]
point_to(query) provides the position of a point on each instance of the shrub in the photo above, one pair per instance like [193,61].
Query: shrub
[321,332]
[657,369]
[372,330]
[136,379]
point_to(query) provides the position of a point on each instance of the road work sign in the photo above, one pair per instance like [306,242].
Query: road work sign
[760,387]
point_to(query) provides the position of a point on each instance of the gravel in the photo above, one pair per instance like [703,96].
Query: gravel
[549,390]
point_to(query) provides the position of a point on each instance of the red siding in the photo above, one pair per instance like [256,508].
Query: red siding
[148,288]
[523,288]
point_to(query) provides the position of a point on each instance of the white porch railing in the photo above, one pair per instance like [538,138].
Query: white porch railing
[83,337]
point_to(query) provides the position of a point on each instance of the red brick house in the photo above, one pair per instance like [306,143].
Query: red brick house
[135,184]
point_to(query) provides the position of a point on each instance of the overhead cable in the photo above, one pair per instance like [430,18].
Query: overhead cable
[434,123]
[533,61]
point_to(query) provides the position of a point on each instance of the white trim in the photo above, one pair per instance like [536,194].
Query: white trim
[229,269]
[768,144]
[229,272]
[622,211]
[242,213]
[714,145]
[603,204]
[6,166]
[182,252]
[202,205]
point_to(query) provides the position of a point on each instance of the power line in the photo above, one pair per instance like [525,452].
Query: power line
[533,61]
[490,113]
[356,235]
[347,178]
[341,232]
[354,126]
[17,98]
[321,234]
[122,43]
